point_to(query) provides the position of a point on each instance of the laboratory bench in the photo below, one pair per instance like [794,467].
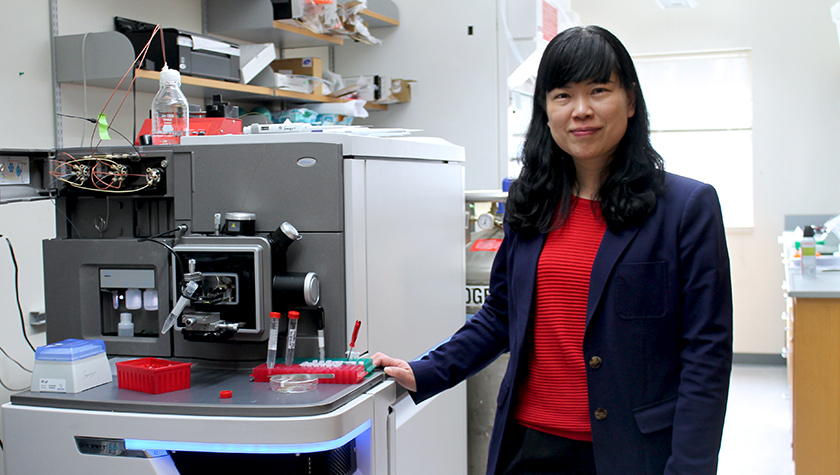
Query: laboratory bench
[813,354]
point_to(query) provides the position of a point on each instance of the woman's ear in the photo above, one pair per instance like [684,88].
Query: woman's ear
[631,101]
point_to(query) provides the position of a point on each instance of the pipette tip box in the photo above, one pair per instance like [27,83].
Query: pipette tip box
[153,375]
[70,366]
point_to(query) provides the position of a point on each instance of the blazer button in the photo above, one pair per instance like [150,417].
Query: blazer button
[600,414]
[595,362]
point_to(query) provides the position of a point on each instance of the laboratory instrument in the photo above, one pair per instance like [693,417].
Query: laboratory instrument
[343,251]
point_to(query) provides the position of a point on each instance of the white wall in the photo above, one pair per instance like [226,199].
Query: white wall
[81,16]
[796,97]
[27,123]
[457,95]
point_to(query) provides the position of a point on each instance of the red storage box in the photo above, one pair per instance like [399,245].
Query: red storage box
[153,375]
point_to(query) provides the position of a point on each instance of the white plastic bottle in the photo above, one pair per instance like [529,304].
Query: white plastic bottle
[170,110]
[126,326]
[808,251]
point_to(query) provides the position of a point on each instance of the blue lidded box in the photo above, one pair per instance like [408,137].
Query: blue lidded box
[70,350]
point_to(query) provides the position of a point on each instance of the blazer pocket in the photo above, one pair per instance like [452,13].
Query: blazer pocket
[641,289]
[656,416]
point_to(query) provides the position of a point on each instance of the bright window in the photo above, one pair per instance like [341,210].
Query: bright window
[700,107]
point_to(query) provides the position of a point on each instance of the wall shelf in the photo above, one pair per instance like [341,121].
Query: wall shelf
[212,86]
[252,20]
[74,68]
[378,20]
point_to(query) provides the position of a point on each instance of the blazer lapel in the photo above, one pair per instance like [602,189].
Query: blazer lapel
[527,256]
[612,248]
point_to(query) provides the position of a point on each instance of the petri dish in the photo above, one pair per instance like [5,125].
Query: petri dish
[293,383]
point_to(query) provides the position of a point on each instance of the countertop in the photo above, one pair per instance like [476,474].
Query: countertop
[250,399]
[826,284]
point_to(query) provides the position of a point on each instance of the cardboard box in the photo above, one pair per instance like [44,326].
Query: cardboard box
[291,67]
[400,91]
[302,67]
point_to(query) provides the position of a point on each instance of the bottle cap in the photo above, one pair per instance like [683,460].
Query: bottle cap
[808,231]
[225,394]
[275,314]
[294,315]
[125,317]
[169,76]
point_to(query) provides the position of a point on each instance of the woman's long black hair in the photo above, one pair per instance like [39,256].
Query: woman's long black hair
[540,199]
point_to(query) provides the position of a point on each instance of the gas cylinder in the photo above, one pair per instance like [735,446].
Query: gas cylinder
[483,387]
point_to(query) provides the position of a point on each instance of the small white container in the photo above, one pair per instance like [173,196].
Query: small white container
[126,326]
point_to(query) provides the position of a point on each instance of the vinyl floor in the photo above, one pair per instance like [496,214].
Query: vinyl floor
[757,429]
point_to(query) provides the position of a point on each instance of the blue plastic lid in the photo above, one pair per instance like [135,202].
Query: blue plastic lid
[70,350]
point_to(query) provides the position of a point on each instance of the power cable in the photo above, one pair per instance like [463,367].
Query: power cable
[15,361]
[55,203]
[94,121]
[17,293]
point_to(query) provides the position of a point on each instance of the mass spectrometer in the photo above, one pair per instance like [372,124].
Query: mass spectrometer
[199,243]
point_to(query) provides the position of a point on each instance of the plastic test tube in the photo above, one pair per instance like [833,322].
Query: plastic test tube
[321,355]
[273,331]
[290,340]
[351,355]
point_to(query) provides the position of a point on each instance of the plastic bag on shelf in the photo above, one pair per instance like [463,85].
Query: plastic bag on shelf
[331,82]
[298,115]
[352,108]
[318,15]
[354,25]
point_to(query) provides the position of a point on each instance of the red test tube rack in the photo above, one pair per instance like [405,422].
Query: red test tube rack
[344,373]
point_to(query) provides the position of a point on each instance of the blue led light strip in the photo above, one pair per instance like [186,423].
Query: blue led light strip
[139,444]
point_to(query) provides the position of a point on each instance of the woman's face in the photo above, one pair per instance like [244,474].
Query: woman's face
[588,119]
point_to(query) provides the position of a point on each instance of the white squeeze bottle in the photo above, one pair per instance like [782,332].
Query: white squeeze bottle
[170,110]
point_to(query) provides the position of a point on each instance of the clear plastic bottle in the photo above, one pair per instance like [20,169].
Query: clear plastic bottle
[126,326]
[170,110]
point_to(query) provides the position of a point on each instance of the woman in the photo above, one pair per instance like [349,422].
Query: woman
[611,290]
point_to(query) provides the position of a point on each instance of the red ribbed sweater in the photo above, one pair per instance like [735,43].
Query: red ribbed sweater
[553,398]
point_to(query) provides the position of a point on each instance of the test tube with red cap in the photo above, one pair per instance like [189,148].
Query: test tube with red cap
[273,332]
[352,355]
[292,336]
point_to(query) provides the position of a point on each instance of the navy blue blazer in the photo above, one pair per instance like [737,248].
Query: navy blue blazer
[657,346]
